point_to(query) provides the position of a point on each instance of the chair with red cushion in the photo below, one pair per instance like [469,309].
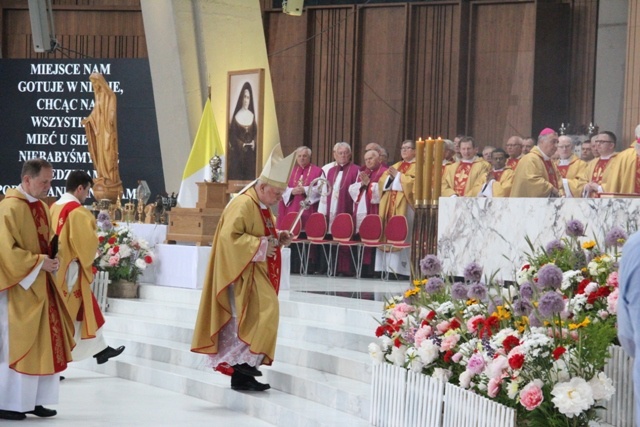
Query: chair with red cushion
[316,229]
[342,230]
[370,236]
[395,234]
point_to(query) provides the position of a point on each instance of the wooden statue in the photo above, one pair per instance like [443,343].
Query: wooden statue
[101,128]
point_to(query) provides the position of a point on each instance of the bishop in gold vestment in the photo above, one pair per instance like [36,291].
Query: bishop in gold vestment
[536,176]
[237,322]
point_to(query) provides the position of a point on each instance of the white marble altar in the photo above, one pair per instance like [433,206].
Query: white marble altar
[154,234]
[492,232]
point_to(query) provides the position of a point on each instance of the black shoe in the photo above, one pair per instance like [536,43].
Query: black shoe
[41,411]
[107,354]
[246,369]
[11,415]
[62,377]
[240,382]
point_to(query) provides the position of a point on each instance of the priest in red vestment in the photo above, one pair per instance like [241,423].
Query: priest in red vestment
[36,331]
[513,147]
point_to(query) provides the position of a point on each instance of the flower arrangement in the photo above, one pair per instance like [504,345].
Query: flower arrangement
[538,345]
[120,253]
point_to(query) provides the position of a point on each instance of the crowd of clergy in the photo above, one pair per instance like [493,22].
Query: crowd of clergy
[550,165]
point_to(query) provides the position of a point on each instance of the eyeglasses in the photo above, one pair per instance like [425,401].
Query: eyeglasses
[602,141]
[407,148]
[563,146]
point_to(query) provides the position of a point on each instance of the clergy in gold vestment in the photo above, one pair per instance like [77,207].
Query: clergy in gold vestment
[570,167]
[467,176]
[237,322]
[500,179]
[396,198]
[601,173]
[75,227]
[627,180]
[36,332]
[536,175]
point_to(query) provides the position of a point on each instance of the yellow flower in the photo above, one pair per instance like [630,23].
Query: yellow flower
[410,292]
[522,323]
[419,282]
[390,306]
[574,326]
[502,313]
[471,301]
[588,245]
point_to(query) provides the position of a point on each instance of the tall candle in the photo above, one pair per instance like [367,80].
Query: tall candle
[417,188]
[437,182]
[429,170]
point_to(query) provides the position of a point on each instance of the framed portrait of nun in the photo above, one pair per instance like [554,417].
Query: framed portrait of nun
[245,101]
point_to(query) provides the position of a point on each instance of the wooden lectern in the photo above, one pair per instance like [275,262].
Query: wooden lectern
[199,224]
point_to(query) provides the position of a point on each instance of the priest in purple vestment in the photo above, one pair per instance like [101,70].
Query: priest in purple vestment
[298,188]
[366,199]
[340,178]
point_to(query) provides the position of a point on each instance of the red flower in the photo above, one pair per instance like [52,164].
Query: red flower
[397,342]
[101,239]
[448,355]
[116,249]
[431,315]
[488,326]
[380,331]
[559,351]
[602,291]
[509,343]
[454,324]
[148,259]
[94,270]
[516,361]
[582,285]
[111,240]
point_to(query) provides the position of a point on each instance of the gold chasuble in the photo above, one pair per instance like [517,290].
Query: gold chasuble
[603,172]
[574,174]
[77,241]
[625,173]
[535,176]
[40,328]
[503,181]
[235,244]
[396,202]
[465,178]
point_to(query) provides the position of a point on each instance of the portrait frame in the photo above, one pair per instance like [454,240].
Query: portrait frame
[244,162]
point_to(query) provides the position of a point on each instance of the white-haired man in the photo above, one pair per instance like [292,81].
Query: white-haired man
[569,165]
[513,147]
[537,175]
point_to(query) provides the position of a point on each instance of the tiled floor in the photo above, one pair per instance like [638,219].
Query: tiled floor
[89,399]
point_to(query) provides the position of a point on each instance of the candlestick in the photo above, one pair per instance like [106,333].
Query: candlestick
[418,190]
[437,182]
[430,168]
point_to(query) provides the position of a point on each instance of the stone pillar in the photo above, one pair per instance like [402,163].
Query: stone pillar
[631,108]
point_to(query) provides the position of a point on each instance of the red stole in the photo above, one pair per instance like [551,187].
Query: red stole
[403,168]
[512,163]
[64,214]
[563,170]
[553,178]
[497,174]
[461,177]
[41,220]
[273,263]
[598,171]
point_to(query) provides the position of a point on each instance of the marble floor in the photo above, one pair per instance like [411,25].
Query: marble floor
[90,397]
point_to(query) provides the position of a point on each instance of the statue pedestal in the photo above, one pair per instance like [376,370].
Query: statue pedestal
[198,225]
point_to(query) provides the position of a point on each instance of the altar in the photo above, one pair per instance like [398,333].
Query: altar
[492,231]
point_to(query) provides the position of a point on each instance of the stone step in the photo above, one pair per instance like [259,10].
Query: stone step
[274,406]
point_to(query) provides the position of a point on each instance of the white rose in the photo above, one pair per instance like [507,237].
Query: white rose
[375,352]
[465,379]
[442,374]
[397,355]
[573,397]
[428,352]
[141,264]
[602,387]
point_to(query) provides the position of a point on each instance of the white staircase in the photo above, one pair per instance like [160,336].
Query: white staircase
[322,371]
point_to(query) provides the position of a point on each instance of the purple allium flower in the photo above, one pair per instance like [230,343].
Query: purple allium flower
[477,290]
[554,245]
[526,290]
[574,228]
[434,284]
[534,320]
[550,303]
[549,276]
[494,302]
[430,265]
[473,272]
[459,291]
[615,237]
[522,307]
[103,216]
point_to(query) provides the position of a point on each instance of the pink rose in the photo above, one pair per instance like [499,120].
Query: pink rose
[612,280]
[531,395]
[422,334]
[456,357]
[401,310]
[449,342]
[476,364]
[443,326]
[612,300]
[114,260]
[493,388]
